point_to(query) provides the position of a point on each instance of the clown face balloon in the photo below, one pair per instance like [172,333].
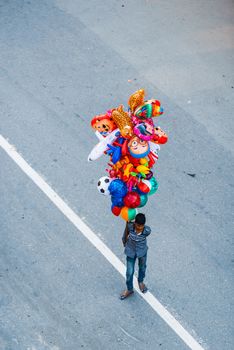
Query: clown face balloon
[138,148]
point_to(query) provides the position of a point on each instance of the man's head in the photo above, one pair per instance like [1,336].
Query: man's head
[140,221]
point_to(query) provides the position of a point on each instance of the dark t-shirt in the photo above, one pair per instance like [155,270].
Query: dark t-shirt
[136,244]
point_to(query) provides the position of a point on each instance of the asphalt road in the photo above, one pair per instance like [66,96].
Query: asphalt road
[62,62]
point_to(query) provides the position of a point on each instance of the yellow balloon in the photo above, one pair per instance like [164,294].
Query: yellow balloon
[143,169]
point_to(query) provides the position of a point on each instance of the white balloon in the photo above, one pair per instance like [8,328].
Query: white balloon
[103,184]
[154,147]
[147,183]
[101,147]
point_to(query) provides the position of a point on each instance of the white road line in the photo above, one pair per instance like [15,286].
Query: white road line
[97,242]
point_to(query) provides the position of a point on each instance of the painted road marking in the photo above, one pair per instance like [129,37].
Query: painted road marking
[98,243]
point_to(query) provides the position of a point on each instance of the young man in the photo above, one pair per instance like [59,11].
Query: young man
[134,241]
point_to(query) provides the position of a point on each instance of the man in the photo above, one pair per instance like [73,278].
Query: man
[134,241]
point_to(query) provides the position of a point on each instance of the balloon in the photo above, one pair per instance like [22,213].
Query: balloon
[144,186]
[149,109]
[136,99]
[102,146]
[117,201]
[157,110]
[143,161]
[127,170]
[154,148]
[116,210]
[123,121]
[116,150]
[138,148]
[144,199]
[128,214]
[154,185]
[103,123]
[103,184]
[118,188]
[132,200]
[144,130]
[159,136]
[143,169]
[149,175]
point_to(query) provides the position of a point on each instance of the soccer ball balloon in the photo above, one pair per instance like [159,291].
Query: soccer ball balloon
[103,184]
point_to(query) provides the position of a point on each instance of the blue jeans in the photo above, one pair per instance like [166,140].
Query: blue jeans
[130,270]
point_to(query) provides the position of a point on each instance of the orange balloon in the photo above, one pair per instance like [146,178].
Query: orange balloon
[128,214]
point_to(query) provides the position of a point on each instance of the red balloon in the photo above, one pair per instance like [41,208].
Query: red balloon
[116,210]
[132,200]
[143,187]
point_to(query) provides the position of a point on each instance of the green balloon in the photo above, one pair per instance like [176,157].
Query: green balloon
[131,214]
[144,111]
[154,185]
[144,199]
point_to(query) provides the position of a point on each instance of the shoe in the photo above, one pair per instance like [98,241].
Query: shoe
[126,294]
[142,287]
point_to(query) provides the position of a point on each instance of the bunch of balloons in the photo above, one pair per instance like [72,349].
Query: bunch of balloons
[131,140]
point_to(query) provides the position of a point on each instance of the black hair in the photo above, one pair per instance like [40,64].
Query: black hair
[140,219]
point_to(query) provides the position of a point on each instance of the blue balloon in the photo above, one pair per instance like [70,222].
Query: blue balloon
[115,151]
[117,201]
[144,199]
[154,187]
[118,188]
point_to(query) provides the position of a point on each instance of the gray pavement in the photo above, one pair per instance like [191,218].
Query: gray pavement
[61,63]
